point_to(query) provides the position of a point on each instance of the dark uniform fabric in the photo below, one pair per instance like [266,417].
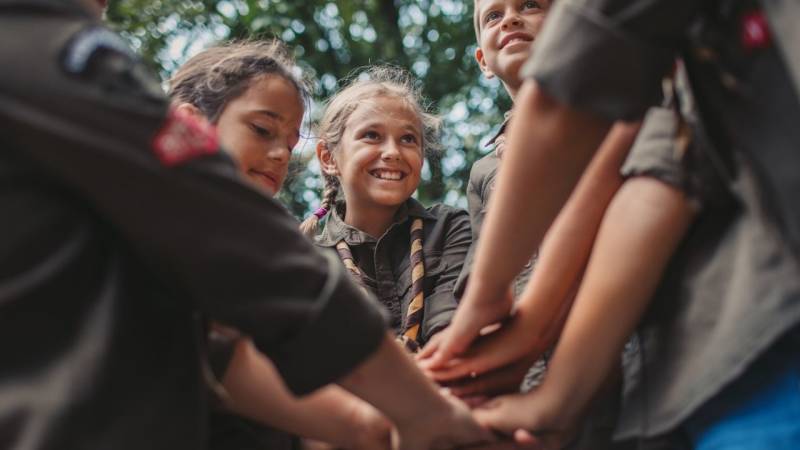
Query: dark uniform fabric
[109,255]
[479,189]
[733,288]
[386,267]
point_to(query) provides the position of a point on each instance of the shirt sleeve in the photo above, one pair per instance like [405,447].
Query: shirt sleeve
[441,304]
[223,248]
[655,152]
[609,56]
[475,206]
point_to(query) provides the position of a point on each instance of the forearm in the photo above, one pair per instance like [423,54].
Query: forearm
[534,181]
[411,397]
[567,246]
[256,391]
[624,270]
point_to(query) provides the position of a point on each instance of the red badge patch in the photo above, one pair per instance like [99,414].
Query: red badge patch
[184,137]
[755,31]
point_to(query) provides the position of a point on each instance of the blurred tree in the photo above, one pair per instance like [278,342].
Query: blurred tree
[432,38]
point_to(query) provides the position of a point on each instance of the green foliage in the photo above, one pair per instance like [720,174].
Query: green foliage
[433,38]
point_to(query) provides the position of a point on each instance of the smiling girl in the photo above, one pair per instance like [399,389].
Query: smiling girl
[374,136]
[248,90]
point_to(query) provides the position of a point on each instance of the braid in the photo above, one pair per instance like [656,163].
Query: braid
[311,224]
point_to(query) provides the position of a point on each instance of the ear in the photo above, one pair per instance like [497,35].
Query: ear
[190,110]
[481,58]
[326,161]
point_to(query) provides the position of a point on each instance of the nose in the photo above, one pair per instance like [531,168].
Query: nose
[280,153]
[511,20]
[390,151]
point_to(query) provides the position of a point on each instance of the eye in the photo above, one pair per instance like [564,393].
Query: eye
[409,139]
[371,135]
[259,130]
[531,4]
[491,16]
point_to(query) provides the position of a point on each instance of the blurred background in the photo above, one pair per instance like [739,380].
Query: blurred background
[432,38]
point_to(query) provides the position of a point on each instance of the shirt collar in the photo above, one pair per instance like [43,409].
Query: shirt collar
[501,130]
[336,229]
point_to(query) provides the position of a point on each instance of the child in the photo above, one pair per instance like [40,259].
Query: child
[720,364]
[373,139]
[505,31]
[248,90]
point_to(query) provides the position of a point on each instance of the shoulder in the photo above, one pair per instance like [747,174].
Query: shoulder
[449,216]
[484,168]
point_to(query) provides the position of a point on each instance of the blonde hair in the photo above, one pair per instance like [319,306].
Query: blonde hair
[376,81]
[220,74]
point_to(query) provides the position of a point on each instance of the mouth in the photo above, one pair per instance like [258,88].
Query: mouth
[515,38]
[265,179]
[389,175]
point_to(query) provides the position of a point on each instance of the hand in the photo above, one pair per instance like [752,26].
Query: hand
[476,311]
[453,427]
[373,430]
[512,346]
[531,419]
[504,380]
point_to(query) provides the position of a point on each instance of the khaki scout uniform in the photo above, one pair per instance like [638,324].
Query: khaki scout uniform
[732,293]
[122,223]
[386,267]
[480,187]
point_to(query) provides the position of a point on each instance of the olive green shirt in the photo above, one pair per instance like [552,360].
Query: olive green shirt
[482,178]
[733,288]
[385,261]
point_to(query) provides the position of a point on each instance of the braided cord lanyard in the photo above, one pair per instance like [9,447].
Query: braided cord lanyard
[413,319]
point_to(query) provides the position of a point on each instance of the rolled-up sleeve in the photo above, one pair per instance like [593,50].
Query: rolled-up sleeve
[609,56]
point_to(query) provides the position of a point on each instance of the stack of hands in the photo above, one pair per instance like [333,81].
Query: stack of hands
[482,359]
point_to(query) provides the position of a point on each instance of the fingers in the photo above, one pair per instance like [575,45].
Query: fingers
[431,347]
[471,317]
[505,414]
[453,341]
[509,345]
[504,380]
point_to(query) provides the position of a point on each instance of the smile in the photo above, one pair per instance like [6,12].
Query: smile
[266,179]
[392,175]
[515,38]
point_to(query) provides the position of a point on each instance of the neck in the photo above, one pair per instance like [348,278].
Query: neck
[512,89]
[373,221]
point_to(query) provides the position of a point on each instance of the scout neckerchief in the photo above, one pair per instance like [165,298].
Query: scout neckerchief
[413,319]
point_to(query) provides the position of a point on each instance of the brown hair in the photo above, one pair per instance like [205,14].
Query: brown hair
[220,74]
[376,81]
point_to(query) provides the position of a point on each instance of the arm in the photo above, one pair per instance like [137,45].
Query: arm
[331,414]
[534,181]
[627,262]
[207,236]
[441,303]
[562,258]
[423,418]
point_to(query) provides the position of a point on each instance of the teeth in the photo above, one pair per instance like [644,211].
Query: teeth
[387,174]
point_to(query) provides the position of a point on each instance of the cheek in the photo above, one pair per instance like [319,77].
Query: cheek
[415,161]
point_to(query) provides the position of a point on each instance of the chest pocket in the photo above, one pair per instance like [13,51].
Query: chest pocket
[434,267]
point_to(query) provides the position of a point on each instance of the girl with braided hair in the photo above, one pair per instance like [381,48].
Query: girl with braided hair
[373,138]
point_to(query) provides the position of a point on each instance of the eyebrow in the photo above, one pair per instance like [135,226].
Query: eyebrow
[269,113]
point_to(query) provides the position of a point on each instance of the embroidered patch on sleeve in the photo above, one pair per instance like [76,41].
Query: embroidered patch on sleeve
[87,43]
[183,138]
